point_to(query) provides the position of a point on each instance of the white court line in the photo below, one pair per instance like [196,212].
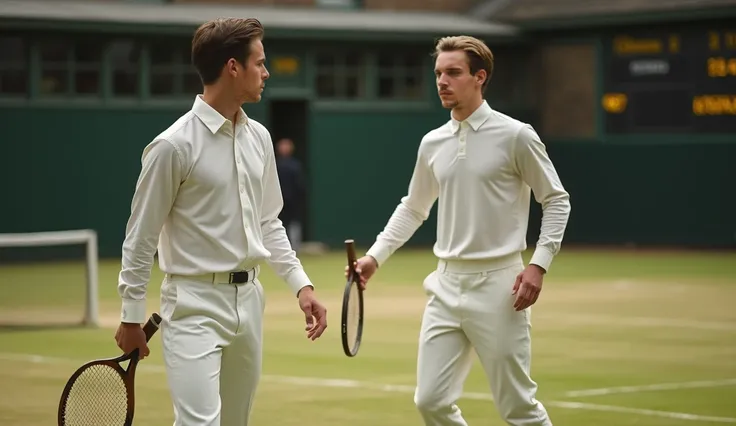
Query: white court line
[354,384]
[640,411]
[645,322]
[654,387]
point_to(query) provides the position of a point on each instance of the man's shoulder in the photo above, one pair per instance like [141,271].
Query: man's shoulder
[507,122]
[261,133]
[437,134]
[259,128]
[178,131]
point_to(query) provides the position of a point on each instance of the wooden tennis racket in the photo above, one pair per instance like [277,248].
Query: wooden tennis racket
[352,306]
[102,392]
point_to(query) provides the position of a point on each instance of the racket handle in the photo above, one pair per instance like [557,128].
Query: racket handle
[350,249]
[152,326]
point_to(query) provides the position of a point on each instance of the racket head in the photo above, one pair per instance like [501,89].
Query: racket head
[100,392]
[352,307]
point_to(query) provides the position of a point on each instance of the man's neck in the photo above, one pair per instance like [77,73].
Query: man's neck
[221,102]
[462,112]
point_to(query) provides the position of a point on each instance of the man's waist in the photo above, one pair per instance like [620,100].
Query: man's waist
[241,276]
[472,266]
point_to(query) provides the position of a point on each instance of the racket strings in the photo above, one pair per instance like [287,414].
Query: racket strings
[98,397]
[353,317]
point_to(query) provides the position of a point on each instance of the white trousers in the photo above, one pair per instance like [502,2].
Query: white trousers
[470,306]
[211,336]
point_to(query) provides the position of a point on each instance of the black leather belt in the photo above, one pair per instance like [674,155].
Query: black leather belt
[240,277]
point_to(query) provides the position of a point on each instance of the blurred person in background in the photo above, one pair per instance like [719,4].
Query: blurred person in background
[292,190]
[482,166]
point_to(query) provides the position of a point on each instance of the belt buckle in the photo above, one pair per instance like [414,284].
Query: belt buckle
[239,277]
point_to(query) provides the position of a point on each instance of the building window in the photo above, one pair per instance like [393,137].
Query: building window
[88,55]
[400,76]
[172,73]
[13,66]
[340,76]
[163,59]
[55,55]
[125,65]
[191,83]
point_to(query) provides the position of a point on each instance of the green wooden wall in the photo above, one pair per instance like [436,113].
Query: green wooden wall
[76,168]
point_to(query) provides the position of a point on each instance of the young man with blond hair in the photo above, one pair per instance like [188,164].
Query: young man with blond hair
[208,196]
[482,166]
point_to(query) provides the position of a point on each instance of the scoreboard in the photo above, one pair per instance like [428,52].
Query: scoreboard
[670,82]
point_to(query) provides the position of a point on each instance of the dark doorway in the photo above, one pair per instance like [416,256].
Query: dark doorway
[288,119]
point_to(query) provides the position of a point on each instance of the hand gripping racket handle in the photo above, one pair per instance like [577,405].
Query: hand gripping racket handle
[149,329]
[350,249]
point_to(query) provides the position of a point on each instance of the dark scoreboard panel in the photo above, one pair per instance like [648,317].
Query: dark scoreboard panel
[671,82]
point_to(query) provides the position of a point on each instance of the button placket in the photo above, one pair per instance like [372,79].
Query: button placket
[241,181]
[462,140]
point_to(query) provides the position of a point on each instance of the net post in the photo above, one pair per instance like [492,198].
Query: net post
[91,316]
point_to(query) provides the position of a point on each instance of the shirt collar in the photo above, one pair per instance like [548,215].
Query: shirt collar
[476,119]
[213,119]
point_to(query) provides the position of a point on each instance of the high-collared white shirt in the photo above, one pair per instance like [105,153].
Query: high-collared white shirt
[483,170]
[208,197]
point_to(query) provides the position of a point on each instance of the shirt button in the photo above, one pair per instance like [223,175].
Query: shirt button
[237,160]
[242,189]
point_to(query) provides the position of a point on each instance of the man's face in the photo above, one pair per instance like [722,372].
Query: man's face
[455,85]
[251,78]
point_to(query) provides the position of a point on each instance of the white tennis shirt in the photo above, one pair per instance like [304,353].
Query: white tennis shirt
[483,171]
[208,197]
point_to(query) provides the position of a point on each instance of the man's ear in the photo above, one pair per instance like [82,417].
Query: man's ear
[232,67]
[481,76]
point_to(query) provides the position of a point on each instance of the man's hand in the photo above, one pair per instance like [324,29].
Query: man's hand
[130,337]
[366,266]
[315,313]
[527,287]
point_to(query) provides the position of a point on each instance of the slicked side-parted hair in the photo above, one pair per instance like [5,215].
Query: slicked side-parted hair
[218,40]
[479,55]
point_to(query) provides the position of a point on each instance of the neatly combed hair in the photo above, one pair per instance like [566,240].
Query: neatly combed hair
[216,41]
[479,55]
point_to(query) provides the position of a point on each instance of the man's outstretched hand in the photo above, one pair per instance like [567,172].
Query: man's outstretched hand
[314,312]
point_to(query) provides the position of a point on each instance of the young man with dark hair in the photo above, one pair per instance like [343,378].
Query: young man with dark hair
[482,166]
[208,198]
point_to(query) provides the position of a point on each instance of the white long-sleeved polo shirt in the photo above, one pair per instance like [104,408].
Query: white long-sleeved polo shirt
[482,170]
[208,198]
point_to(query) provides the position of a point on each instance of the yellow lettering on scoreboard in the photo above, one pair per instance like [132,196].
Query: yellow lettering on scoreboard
[721,67]
[727,41]
[624,45]
[674,44]
[730,39]
[614,103]
[714,40]
[714,105]
[285,65]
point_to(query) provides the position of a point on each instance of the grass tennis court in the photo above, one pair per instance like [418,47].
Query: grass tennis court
[619,338]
